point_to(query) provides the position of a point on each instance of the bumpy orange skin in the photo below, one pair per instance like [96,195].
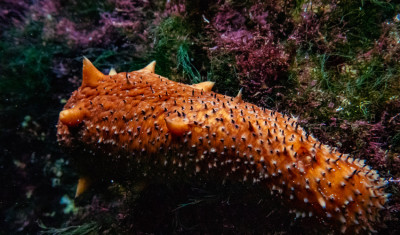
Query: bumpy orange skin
[187,130]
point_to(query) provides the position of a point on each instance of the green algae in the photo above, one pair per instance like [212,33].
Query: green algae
[88,11]
[26,63]
[184,62]
[395,142]
[359,90]
[172,50]
[222,70]
[84,229]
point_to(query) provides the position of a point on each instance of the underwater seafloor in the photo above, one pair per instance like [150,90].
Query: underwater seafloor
[333,64]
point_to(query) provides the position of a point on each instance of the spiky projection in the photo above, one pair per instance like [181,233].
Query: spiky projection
[143,121]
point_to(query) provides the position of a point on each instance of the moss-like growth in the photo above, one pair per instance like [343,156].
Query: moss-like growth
[224,72]
[172,50]
[361,20]
[26,65]
[362,87]
[26,78]
[88,11]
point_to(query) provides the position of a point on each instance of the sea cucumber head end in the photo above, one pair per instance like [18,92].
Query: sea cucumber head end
[72,117]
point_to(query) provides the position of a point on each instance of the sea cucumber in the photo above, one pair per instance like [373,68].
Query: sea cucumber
[141,120]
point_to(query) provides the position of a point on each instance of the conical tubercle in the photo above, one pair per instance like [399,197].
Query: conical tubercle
[90,75]
[205,86]
[83,185]
[238,98]
[73,116]
[177,126]
[112,71]
[151,68]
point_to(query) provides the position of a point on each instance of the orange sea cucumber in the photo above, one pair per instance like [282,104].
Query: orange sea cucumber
[158,126]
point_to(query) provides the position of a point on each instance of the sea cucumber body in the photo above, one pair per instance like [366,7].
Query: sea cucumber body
[188,130]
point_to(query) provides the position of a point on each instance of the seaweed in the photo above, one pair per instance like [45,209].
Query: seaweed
[223,70]
[173,50]
[170,35]
[88,228]
[184,62]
